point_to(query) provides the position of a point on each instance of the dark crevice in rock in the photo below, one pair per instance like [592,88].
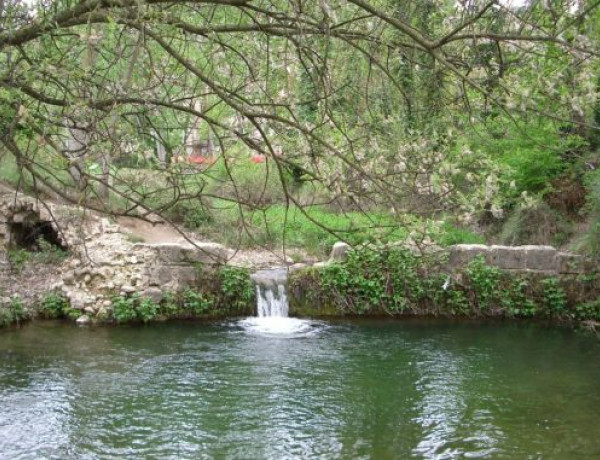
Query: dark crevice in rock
[27,235]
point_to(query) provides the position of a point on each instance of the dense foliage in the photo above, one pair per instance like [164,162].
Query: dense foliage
[394,281]
[420,111]
[227,292]
[13,312]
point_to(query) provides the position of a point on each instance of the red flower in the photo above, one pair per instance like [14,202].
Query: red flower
[257,158]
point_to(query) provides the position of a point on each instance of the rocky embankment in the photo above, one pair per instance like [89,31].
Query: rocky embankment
[106,260]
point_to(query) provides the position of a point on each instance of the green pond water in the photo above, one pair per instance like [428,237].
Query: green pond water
[368,389]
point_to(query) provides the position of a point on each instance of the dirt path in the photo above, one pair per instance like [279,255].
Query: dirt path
[163,233]
[148,232]
[142,231]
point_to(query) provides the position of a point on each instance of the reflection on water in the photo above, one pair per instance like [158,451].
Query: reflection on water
[421,389]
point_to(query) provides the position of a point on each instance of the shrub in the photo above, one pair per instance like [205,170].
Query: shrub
[588,311]
[49,253]
[198,303]
[384,278]
[555,299]
[13,312]
[54,306]
[537,224]
[18,258]
[127,309]
[517,299]
[236,288]
[147,310]
[484,282]
[124,308]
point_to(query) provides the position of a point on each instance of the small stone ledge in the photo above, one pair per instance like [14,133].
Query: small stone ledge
[529,258]
[187,253]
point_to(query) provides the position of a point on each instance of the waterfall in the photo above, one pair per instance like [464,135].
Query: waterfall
[271,296]
[271,318]
[271,301]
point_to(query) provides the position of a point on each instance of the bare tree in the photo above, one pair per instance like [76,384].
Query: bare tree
[334,93]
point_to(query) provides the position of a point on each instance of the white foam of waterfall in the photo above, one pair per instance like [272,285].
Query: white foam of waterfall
[271,301]
[272,309]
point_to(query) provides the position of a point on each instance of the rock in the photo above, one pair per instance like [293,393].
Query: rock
[83,320]
[128,289]
[339,252]
[542,258]
[90,310]
[161,276]
[78,300]
[270,277]
[184,276]
[74,263]
[154,294]
[177,253]
[298,266]
[68,278]
[508,257]
[206,253]
[570,264]
[462,254]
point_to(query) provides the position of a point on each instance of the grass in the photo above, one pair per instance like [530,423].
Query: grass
[264,221]
[312,228]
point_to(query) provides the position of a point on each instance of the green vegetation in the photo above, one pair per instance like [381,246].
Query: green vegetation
[407,121]
[53,306]
[18,258]
[392,281]
[13,312]
[224,293]
[47,254]
[314,229]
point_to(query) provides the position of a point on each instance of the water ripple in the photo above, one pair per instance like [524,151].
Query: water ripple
[350,390]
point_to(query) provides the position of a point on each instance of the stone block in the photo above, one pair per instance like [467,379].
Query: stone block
[19,218]
[508,257]
[169,253]
[571,264]
[185,276]
[83,320]
[161,276]
[176,253]
[339,252]
[461,254]
[153,293]
[542,258]
[206,253]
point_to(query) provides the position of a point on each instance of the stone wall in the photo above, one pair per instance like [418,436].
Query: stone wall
[21,210]
[519,281]
[539,259]
[115,266]
[103,261]
[542,259]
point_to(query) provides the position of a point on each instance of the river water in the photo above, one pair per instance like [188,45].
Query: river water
[251,390]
